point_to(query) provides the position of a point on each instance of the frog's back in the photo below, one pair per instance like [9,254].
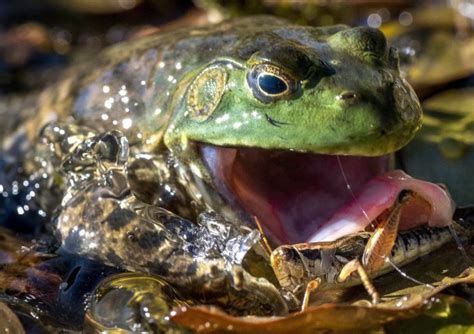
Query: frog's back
[130,86]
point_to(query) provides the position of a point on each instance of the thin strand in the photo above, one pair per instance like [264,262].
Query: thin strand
[348,186]
[460,247]
[405,275]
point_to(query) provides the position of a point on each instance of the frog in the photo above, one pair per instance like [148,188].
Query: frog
[252,118]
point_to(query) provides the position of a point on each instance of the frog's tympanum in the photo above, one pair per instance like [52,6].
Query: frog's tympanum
[249,118]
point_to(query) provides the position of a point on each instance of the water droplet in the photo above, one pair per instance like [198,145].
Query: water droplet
[405,18]
[374,20]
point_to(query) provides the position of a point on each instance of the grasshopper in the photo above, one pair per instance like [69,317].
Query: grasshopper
[357,258]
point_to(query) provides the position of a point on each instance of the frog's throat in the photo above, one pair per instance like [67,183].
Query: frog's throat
[315,197]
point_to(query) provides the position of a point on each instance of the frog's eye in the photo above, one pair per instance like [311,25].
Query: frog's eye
[270,83]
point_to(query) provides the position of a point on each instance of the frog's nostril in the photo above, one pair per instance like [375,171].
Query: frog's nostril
[347,96]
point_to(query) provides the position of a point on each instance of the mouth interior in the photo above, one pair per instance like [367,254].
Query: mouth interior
[301,197]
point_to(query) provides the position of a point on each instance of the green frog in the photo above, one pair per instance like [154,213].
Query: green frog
[253,118]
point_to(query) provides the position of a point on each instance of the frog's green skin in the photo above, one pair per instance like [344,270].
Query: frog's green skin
[157,72]
[167,92]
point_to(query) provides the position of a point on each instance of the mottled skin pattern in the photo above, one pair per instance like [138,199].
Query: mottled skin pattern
[165,93]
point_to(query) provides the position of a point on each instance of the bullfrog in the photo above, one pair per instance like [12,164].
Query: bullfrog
[253,118]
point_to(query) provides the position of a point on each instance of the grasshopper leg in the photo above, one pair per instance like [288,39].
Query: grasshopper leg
[378,248]
[356,266]
[310,287]
[381,242]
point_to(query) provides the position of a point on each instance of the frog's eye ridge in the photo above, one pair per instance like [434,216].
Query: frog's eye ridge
[270,83]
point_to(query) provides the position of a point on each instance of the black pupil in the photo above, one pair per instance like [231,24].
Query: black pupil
[271,84]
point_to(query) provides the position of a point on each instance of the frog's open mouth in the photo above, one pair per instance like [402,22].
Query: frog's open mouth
[301,197]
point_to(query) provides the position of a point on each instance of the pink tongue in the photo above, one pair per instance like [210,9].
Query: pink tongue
[300,197]
[378,195]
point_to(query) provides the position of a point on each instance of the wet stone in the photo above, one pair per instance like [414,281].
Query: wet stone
[135,303]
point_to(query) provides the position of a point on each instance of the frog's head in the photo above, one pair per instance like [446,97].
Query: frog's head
[282,125]
[340,95]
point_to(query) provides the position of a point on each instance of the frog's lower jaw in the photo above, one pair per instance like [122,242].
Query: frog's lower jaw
[312,197]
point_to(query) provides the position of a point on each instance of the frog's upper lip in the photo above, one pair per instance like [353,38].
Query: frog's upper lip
[302,197]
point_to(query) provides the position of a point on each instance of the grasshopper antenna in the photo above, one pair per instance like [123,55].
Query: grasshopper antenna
[264,238]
